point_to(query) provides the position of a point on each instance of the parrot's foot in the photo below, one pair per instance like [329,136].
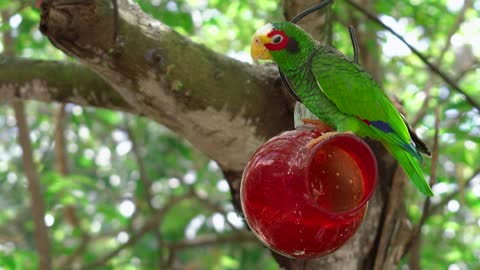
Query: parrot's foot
[320,138]
[319,125]
[324,136]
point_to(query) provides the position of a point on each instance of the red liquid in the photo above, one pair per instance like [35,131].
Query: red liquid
[293,198]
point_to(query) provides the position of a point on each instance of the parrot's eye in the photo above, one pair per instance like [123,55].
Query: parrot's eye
[277,39]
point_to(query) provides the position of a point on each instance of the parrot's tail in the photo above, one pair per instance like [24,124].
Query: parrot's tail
[412,167]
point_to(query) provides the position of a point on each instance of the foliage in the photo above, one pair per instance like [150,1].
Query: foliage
[125,169]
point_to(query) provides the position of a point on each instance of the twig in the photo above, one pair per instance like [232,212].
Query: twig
[438,62]
[151,224]
[61,164]
[60,153]
[434,208]
[424,59]
[212,206]
[423,111]
[147,183]
[42,241]
[208,240]
[66,264]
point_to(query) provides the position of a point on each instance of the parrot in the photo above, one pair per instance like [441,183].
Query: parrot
[340,93]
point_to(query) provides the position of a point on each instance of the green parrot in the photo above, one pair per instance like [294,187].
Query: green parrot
[340,93]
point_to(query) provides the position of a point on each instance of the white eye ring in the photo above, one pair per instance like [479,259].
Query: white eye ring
[277,39]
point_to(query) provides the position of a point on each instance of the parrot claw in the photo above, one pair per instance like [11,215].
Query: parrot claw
[324,136]
[319,125]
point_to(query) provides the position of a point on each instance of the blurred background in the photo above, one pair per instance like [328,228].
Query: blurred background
[123,192]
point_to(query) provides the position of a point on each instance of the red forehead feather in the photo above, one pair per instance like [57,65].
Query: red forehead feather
[278,46]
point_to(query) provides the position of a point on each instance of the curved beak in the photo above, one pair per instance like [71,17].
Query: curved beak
[258,51]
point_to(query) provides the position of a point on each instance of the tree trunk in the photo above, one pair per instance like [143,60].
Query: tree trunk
[223,107]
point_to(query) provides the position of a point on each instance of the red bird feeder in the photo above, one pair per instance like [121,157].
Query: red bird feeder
[307,202]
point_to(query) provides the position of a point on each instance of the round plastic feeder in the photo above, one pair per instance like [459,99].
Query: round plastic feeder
[307,202]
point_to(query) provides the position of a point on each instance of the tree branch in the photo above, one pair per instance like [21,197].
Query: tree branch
[51,81]
[148,226]
[42,241]
[147,184]
[222,106]
[436,207]
[208,240]
[438,62]
[422,57]
[59,138]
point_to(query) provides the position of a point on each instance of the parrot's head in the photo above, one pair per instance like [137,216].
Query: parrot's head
[280,41]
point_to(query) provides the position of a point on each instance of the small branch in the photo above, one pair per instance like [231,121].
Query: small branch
[42,241]
[150,225]
[147,184]
[69,211]
[468,4]
[78,252]
[424,59]
[210,205]
[208,240]
[438,62]
[435,208]
[424,108]
[60,153]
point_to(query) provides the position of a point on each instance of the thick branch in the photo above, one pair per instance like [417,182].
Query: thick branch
[224,107]
[50,81]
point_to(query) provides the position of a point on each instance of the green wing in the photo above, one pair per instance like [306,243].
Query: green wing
[354,91]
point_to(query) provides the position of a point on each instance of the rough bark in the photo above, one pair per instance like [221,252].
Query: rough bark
[223,107]
[150,65]
[50,81]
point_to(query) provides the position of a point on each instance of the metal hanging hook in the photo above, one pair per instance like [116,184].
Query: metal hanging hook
[310,10]
[353,37]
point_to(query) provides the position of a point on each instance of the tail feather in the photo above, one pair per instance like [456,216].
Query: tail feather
[419,144]
[412,168]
